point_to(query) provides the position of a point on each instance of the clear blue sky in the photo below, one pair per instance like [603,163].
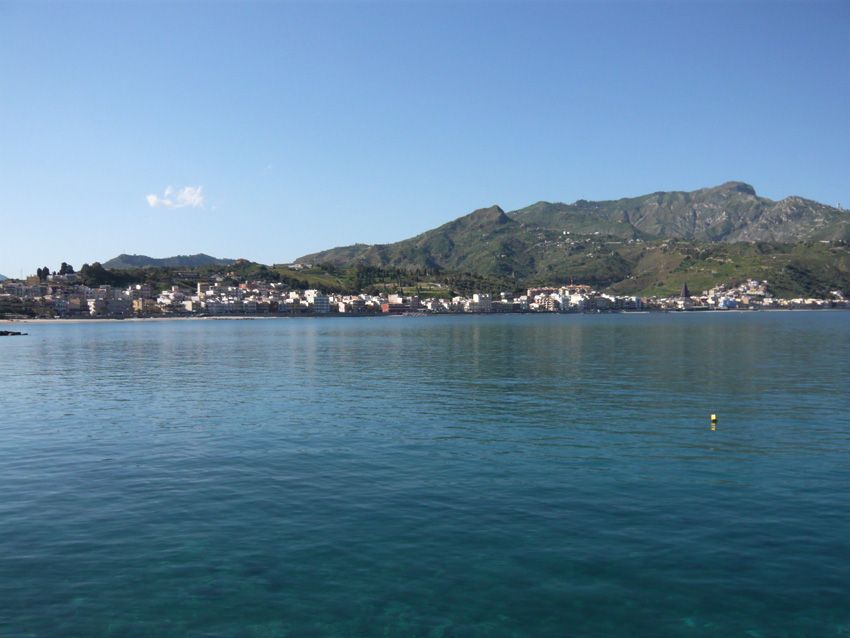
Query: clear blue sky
[284,128]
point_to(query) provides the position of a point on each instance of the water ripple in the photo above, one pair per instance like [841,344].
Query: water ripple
[465,476]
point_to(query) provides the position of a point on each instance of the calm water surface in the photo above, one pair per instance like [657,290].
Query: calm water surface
[445,476]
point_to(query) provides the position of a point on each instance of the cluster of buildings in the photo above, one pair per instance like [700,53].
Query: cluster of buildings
[64,297]
[753,294]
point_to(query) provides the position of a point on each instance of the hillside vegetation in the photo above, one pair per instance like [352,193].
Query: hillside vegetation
[643,245]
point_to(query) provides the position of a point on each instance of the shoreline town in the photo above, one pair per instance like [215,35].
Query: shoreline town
[63,297]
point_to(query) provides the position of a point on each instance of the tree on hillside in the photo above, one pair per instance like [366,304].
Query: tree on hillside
[66,269]
[96,275]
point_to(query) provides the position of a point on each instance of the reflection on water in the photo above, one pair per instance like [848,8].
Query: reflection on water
[446,476]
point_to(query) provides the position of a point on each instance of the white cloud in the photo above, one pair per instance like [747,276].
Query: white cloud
[186,197]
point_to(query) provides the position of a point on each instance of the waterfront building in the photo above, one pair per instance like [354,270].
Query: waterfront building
[321,304]
[481,303]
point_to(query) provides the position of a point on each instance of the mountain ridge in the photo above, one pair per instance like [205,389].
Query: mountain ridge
[729,213]
[125,261]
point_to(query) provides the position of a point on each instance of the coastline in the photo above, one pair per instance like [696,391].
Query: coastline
[80,320]
[133,319]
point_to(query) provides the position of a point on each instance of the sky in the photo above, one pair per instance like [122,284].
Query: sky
[270,130]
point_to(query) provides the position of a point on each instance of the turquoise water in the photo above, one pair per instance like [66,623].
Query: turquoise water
[444,476]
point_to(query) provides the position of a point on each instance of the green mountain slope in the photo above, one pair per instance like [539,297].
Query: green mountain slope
[645,245]
[486,241]
[180,261]
[806,269]
[731,212]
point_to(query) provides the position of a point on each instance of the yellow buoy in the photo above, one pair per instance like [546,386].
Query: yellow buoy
[713,421]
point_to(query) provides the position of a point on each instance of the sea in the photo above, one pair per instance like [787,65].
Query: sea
[457,476]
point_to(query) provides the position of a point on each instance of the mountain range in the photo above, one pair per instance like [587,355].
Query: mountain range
[123,262]
[491,240]
[641,244]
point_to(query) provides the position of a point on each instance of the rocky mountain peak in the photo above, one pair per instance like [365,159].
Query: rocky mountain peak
[488,216]
[737,187]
